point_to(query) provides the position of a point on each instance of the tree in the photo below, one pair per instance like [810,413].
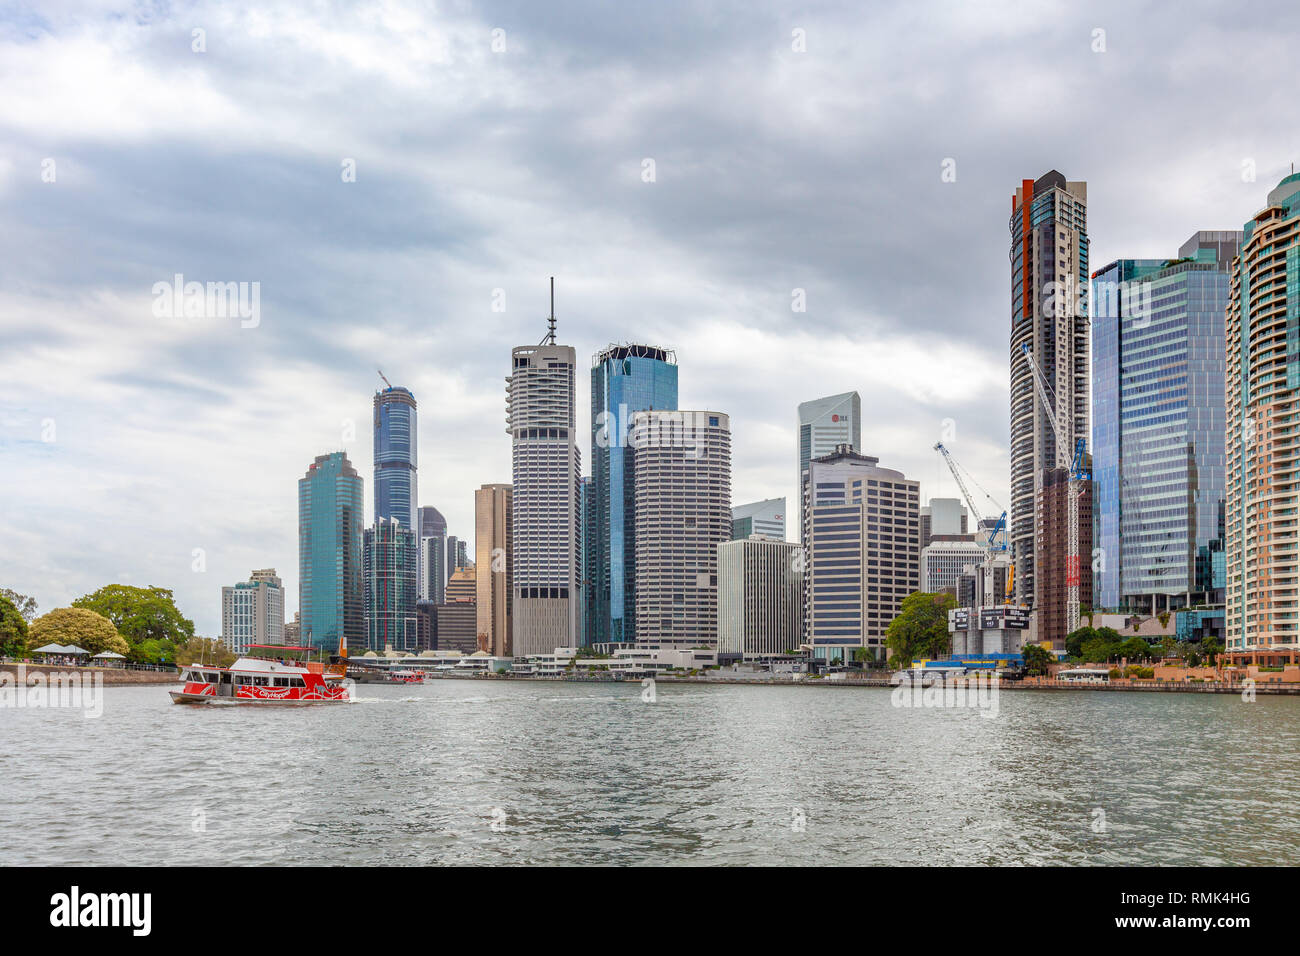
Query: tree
[1075,640]
[26,605]
[75,625]
[1085,610]
[1037,658]
[1135,649]
[1100,649]
[13,629]
[141,615]
[921,628]
[204,650]
[1211,648]
[1109,633]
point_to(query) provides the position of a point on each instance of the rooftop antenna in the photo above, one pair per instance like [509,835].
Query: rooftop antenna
[549,339]
[381,375]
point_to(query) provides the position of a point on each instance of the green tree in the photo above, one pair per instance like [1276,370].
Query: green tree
[1100,649]
[1211,647]
[13,630]
[26,605]
[75,625]
[1075,640]
[1110,634]
[204,650]
[141,615]
[921,628]
[1037,658]
[1135,649]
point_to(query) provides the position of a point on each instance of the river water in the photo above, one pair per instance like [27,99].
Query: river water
[499,772]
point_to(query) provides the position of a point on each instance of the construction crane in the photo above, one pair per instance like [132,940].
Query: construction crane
[385,378]
[1077,469]
[997,537]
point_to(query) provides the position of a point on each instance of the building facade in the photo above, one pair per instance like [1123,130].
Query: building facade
[826,424]
[624,379]
[492,566]
[942,564]
[862,532]
[1053,545]
[945,517]
[396,455]
[1049,314]
[331,510]
[252,612]
[389,566]
[681,497]
[760,597]
[765,517]
[431,583]
[1159,442]
[1263,440]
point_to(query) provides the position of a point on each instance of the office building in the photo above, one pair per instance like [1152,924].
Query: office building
[1049,314]
[765,517]
[431,583]
[760,597]
[546,605]
[389,566]
[252,612]
[396,455]
[1158,442]
[944,518]
[942,564]
[826,424]
[624,379]
[330,585]
[492,567]
[862,551]
[681,497]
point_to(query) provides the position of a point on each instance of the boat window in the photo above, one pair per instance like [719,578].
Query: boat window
[282,682]
[261,681]
[297,682]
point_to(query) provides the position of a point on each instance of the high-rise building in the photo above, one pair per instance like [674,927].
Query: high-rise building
[765,517]
[492,567]
[463,587]
[942,564]
[546,605]
[862,551]
[1053,547]
[389,565]
[431,580]
[1049,314]
[396,456]
[331,511]
[293,631]
[945,517]
[624,379]
[587,557]
[457,554]
[824,425]
[252,612]
[1263,437]
[681,507]
[760,597]
[1158,441]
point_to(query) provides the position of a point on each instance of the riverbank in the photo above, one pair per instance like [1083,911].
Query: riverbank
[111,675]
[1030,683]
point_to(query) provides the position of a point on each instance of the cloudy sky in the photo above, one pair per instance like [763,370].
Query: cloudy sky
[794,146]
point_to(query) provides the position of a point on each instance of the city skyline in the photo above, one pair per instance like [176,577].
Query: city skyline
[873,324]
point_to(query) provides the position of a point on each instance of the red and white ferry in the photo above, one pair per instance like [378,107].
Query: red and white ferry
[258,680]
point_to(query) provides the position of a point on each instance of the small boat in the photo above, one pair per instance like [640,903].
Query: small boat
[254,680]
[405,677]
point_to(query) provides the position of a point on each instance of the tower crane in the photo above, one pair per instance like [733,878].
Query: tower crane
[997,537]
[1077,469]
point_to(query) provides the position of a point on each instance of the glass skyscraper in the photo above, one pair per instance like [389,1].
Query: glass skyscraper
[396,456]
[624,379]
[390,588]
[1158,429]
[331,511]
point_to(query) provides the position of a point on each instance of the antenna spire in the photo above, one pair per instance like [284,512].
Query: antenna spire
[550,321]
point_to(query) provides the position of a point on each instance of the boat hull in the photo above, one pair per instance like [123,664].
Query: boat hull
[181,697]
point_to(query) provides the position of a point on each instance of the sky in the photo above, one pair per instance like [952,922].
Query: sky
[401,179]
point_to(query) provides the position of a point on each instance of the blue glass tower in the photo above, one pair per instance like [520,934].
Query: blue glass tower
[624,379]
[395,457]
[1159,478]
[331,508]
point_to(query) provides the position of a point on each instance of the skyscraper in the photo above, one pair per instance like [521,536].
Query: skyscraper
[252,612]
[395,456]
[431,581]
[681,506]
[1263,468]
[331,511]
[1158,440]
[624,379]
[862,552]
[824,425]
[766,517]
[389,567]
[546,605]
[492,567]
[1049,276]
[760,597]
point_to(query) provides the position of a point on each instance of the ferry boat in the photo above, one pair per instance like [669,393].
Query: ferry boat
[405,677]
[256,680]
